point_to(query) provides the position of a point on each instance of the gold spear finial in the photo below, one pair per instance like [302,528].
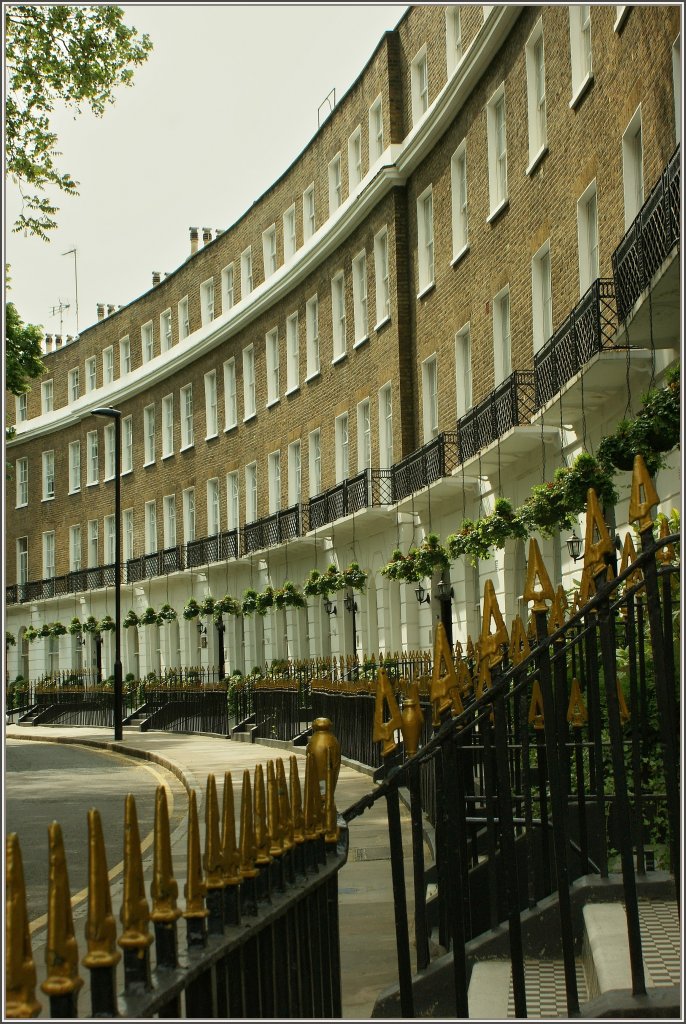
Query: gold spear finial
[101,927]
[20,970]
[384,732]
[296,801]
[135,913]
[164,889]
[598,546]
[247,836]
[444,677]
[666,553]
[230,855]
[536,570]
[212,859]
[194,888]
[519,642]
[285,815]
[273,821]
[61,951]
[643,495]
[260,818]
[492,642]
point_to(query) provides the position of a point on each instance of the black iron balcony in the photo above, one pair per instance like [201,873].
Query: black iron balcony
[650,239]
[270,530]
[381,486]
[158,563]
[511,404]
[218,548]
[423,467]
[347,497]
[588,329]
[11,594]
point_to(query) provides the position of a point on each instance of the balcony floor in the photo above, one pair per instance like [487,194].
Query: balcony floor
[665,299]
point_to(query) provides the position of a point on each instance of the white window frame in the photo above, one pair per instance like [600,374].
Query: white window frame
[453,38]
[247,281]
[376,136]
[207,301]
[189,532]
[274,481]
[581,50]
[184,319]
[536,96]
[251,492]
[430,397]
[48,475]
[166,337]
[360,300]
[91,374]
[93,467]
[496,122]
[22,408]
[127,535]
[109,442]
[382,277]
[312,336]
[49,554]
[464,398]
[632,168]
[386,426]
[47,397]
[292,354]
[269,254]
[186,414]
[108,365]
[149,435]
[211,409]
[230,396]
[125,356]
[228,294]
[294,473]
[338,322]
[271,344]
[314,455]
[147,342]
[335,184]
[541,296]
[249,395]
[354,160]
[589,242]
[74,467]
[309,213]
[93,550]
[73,385]
[22,560]
[290,239]
[342,443]
[425,241]
[169,520]
[502,336]
[214,524]
[167,426]
[233,500]
[108,537]
[419,74]
[74,548]
[459,196]
[676,87]
[22,471]
[364,435]
[151,528]
[127,445]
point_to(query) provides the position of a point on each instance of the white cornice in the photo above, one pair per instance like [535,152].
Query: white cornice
[393,168]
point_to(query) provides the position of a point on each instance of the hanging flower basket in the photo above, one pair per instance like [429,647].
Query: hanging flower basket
[264,601]
[402,568]
[289,596]
[167,613]
[130,619]
[90,625]
[249,604]
[227,605]
[149,617]
[654,430]
[10,639]
[354,577]
[479,539]
[57,629]
[431,556]
[31,634]
[106,624]
[191,609]
[74,626]
[44,630]
[207,605]
[311,584]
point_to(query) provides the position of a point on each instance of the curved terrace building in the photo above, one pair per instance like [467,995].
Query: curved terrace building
[468,276]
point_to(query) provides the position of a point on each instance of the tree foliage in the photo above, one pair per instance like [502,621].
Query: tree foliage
[23,360]
[74,55]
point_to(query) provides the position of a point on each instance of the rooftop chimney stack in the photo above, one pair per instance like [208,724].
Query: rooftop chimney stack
[206,235]
[156,277]
[111,310]
[194,240]
[101,311]
[48,342]
[58,341]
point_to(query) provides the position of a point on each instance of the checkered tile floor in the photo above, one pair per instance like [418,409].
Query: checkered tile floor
[661,942]
[546,996]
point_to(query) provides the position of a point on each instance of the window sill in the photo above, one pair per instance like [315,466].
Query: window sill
[293,391]
[382,323]
[272,401]
[250,416]
[313,376]
[584,86]
[94,483]
[232,426]
[166,455]
[621,18]
[76,490]
[361,342]
[459,255]
[426,290]
[210,437]
[494,214]
[339,358]
[150,462]
[186,447]
[106,479]
[536,160]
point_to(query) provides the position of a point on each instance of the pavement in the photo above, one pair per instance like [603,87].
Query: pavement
[367,927]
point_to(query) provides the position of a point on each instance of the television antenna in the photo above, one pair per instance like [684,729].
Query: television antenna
[71,252]
[60,308]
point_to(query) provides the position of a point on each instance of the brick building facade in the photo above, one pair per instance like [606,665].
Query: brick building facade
[413,262]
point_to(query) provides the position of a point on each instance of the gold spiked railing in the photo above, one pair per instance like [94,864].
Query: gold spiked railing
[244,901]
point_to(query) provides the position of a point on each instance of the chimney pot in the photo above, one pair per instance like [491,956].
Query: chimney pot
[101,311]
[194,240]
[48,342]
[206,235]
[110,310]
[58,340]
[156,277]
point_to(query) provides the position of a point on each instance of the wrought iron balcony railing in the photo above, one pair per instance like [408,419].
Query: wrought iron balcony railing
[218,548]
[349,496]
[588,329]
[270,530]
[74,582]
[511,404]
[423,467]
[158,563]
[650,239]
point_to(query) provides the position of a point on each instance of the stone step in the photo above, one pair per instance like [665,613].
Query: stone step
[491,996]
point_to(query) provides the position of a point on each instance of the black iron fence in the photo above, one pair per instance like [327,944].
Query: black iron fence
[650,239]
[270,530]
[511,404]
[218,548]
[158,563]
[589,328]
[437,458]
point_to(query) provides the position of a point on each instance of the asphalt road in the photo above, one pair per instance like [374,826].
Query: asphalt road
[47,782]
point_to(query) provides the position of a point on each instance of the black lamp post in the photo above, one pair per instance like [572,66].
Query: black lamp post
[351,606]
[115,414]
[219,622]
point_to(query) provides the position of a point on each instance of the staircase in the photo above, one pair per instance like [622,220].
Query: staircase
[138,719]
[30,717]
[602,967]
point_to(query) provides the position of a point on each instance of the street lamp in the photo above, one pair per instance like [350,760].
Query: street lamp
[115,414]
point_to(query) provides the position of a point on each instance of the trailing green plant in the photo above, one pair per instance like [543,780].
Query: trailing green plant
[74,627]
[554,505]
[106,624]
[289,596]
[10,639]
[477,539]
[419,562]
[325,583]
[149,617]
[354,577]
[227,605]
[207,605]
[57,629]
[654,430]
[90,625]
[249,603]
[191,609]
[130,619]
[167,613]
[264,601]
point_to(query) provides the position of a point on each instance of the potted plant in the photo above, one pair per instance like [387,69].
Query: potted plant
[354,577]
[249,604]
[44,630]
[311,584]
[130,619]
[57,629]
[289,596]
[264,601]
[167,613]
[31,634]
[402,568]
[106,624]
[191,609]
[431,556]
[207,605]
[544,510]
[227,605]
[10,639]
[90,625]
[74,627]
[574,482]
[149,617]
[330,581]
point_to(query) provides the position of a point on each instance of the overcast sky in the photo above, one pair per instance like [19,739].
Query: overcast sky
[227,99]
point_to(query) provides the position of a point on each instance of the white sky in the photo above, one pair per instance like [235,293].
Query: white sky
[227,99]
